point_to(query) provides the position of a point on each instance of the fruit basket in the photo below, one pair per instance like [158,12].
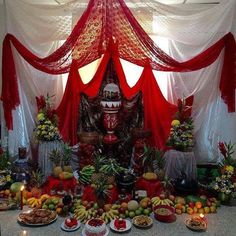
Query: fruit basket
[164,213]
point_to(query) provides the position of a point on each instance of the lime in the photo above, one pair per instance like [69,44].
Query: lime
[51,207]
[138,212]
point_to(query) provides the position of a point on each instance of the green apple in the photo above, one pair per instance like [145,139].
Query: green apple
[131,214]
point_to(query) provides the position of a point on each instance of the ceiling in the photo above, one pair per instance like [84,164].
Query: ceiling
[55,2]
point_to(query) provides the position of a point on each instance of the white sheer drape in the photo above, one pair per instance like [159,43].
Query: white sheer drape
[183,31]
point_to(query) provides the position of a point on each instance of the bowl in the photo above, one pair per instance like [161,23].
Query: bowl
[164,213]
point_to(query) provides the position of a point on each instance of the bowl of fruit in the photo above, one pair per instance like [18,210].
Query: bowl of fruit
[164,213]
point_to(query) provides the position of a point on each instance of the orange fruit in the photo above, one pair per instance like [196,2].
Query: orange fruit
[198,205]
[59,210]
[144,204]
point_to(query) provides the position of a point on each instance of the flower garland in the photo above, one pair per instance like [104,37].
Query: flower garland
[46,127]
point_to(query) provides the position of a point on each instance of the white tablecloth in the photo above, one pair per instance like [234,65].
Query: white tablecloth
[177,162]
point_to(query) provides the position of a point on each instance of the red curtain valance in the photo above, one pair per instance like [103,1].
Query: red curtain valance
[90,39]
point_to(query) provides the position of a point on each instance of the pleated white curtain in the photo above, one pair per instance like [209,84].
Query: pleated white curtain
[181,30]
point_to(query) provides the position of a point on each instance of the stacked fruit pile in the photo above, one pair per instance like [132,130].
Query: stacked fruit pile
[85,210]
[133,208]
[191,204]
[194,204]
[37,202]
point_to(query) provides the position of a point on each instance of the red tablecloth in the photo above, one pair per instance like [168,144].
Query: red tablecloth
[153,187]
[58,184]
[89,195]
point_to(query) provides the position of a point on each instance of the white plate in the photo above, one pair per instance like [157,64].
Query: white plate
[107,232]
[63,227]
[38,224]
[128,226]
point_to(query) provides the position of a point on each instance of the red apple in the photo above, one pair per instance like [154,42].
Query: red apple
[100,211]
[122,210]
[208,203]
[191,204]
[162,196]
[172,198]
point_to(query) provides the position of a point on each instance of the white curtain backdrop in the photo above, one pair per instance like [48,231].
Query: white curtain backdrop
[181,30]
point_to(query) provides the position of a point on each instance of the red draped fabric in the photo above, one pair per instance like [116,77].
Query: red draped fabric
[101,22]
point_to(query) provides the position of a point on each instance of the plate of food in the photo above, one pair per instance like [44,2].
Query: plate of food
[142,221]
[196,224]
[120,225]
[164,213]
[6,204]
[70,224]
[37,217]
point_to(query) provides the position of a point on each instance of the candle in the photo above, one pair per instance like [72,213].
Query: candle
[21,196]
[202,217]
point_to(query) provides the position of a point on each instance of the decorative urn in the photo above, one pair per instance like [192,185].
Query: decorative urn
[111,103]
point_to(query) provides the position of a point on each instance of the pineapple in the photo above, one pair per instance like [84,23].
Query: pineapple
[66,158]
[98,162]
[56,158]
[36,180]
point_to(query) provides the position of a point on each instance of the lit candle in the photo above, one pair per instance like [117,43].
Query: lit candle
[21,196]
[202,217]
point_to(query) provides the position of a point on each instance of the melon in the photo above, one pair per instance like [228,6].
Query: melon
[133,205]
[15,187]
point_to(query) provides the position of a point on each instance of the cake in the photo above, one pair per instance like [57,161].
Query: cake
[95,227]
[70,223]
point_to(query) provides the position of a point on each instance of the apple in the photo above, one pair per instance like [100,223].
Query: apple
[195,209]
[190,210]
[191,204]
[200,210]
[178,211]
[85,203]
[208,203]
[100,211]
[172,198]
[207,209]
[95,206]
[162,196]
[122,210]
[213,209]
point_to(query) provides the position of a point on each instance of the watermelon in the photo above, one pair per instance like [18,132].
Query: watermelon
[194,199]
[15,187]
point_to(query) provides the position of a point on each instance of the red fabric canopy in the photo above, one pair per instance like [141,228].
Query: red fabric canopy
[101,22]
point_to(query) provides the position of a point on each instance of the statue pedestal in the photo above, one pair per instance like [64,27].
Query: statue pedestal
[177,162]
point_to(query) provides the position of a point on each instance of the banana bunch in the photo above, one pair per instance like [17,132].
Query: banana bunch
[34,202]
[83,215]
[86,173]
[110,215]
[157,201]
[44,197]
